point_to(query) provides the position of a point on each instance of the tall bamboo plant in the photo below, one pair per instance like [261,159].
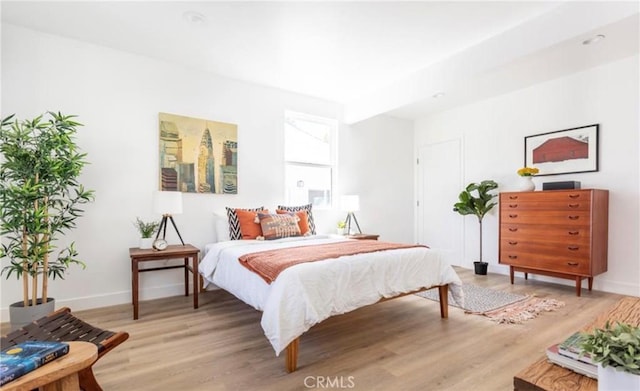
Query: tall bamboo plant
[476,200]
[40,199]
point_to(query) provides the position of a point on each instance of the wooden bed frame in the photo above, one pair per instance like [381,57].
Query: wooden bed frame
[291,358]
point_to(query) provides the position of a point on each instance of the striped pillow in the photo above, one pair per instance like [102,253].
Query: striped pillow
[307,208]
[234,223]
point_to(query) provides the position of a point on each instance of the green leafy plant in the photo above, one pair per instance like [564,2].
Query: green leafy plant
[617,346]
[476,200]
[40,198]
[146,229]
[342,224]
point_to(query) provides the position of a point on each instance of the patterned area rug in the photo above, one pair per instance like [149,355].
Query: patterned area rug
[501,307]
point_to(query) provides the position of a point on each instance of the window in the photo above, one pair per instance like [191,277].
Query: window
[309,154]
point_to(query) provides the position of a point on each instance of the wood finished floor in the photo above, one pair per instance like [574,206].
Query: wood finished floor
[401,344]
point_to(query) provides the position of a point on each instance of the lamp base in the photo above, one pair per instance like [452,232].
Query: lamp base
[347,221]
[163,227]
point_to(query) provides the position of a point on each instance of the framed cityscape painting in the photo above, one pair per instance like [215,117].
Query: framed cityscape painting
[565,151]
[198,155]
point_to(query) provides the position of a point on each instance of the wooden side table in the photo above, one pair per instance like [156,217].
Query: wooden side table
[59,374]
[174,251]
[363,236]
[546,376]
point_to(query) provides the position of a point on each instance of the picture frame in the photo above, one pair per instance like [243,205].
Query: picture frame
[197,155]
[567,151]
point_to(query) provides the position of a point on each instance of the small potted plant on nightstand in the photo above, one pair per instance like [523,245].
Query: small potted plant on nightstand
[616,350]
[146,231]
[341,227]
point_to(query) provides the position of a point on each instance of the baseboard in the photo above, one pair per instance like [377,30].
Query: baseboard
[600,283]
[124,297]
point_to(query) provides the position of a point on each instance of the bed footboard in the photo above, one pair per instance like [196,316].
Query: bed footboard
[291,358]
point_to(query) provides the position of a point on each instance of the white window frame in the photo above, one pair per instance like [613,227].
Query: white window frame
[333,145]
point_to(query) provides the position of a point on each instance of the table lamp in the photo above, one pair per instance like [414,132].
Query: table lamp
[350,204]
[167,203]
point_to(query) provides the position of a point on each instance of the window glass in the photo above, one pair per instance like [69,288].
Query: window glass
[309,159]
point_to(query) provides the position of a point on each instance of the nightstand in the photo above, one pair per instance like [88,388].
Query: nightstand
[185,252]
[362,236]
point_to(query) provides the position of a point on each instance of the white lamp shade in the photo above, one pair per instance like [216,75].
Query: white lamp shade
[350,203]
[167,202]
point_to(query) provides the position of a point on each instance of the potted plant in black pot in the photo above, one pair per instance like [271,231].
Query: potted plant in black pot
[476,200]
[40,199]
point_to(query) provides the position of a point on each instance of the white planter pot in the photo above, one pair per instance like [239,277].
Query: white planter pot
[525,183]
[609,379]
[146,243]
[340,231]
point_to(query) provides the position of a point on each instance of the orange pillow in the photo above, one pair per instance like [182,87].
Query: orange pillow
[249,229]
[303,220]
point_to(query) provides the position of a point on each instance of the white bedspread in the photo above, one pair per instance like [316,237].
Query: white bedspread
[308,293]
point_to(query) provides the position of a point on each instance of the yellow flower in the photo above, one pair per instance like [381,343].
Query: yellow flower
[528,171]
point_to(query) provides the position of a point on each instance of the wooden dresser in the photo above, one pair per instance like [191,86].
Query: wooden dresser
[559,233]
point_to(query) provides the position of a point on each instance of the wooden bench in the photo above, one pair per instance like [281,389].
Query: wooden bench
[62,326]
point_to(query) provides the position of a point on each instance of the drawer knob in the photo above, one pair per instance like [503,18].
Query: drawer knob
[513,229]
[572,263]
[513,205]
[513,197]
[513,216]
[574,195]
[573,248]
[574,217]
[574,205]
[513,243]
[573,232]
[513,256]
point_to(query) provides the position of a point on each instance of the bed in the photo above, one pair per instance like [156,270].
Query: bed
[308,293]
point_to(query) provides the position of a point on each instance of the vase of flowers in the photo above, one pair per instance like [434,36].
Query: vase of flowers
[526,178]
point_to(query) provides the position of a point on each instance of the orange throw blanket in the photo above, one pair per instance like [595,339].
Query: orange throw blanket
[270,263]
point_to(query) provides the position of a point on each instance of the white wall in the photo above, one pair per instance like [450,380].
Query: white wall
[493,132]
[376,161]
[117,97]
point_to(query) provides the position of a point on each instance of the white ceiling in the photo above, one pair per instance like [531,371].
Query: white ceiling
[375,57]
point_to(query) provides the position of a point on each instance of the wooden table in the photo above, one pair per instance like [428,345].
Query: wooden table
[59,374]
[545,376]
[174,251]
[363,236]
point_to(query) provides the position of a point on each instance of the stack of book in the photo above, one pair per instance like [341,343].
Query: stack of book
[26,356]
[568,354]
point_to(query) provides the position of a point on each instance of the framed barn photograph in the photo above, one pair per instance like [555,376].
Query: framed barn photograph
[565,151]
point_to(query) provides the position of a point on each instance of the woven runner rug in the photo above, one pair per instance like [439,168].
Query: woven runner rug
[499,306]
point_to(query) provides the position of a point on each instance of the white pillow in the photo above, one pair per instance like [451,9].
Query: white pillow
[221,228]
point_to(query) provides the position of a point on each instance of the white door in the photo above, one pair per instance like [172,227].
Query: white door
[439,183]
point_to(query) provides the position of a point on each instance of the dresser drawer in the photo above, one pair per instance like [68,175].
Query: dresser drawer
[547,196]
[544,217]
[545,248]
[548,233]
[551,263]
[568,205]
